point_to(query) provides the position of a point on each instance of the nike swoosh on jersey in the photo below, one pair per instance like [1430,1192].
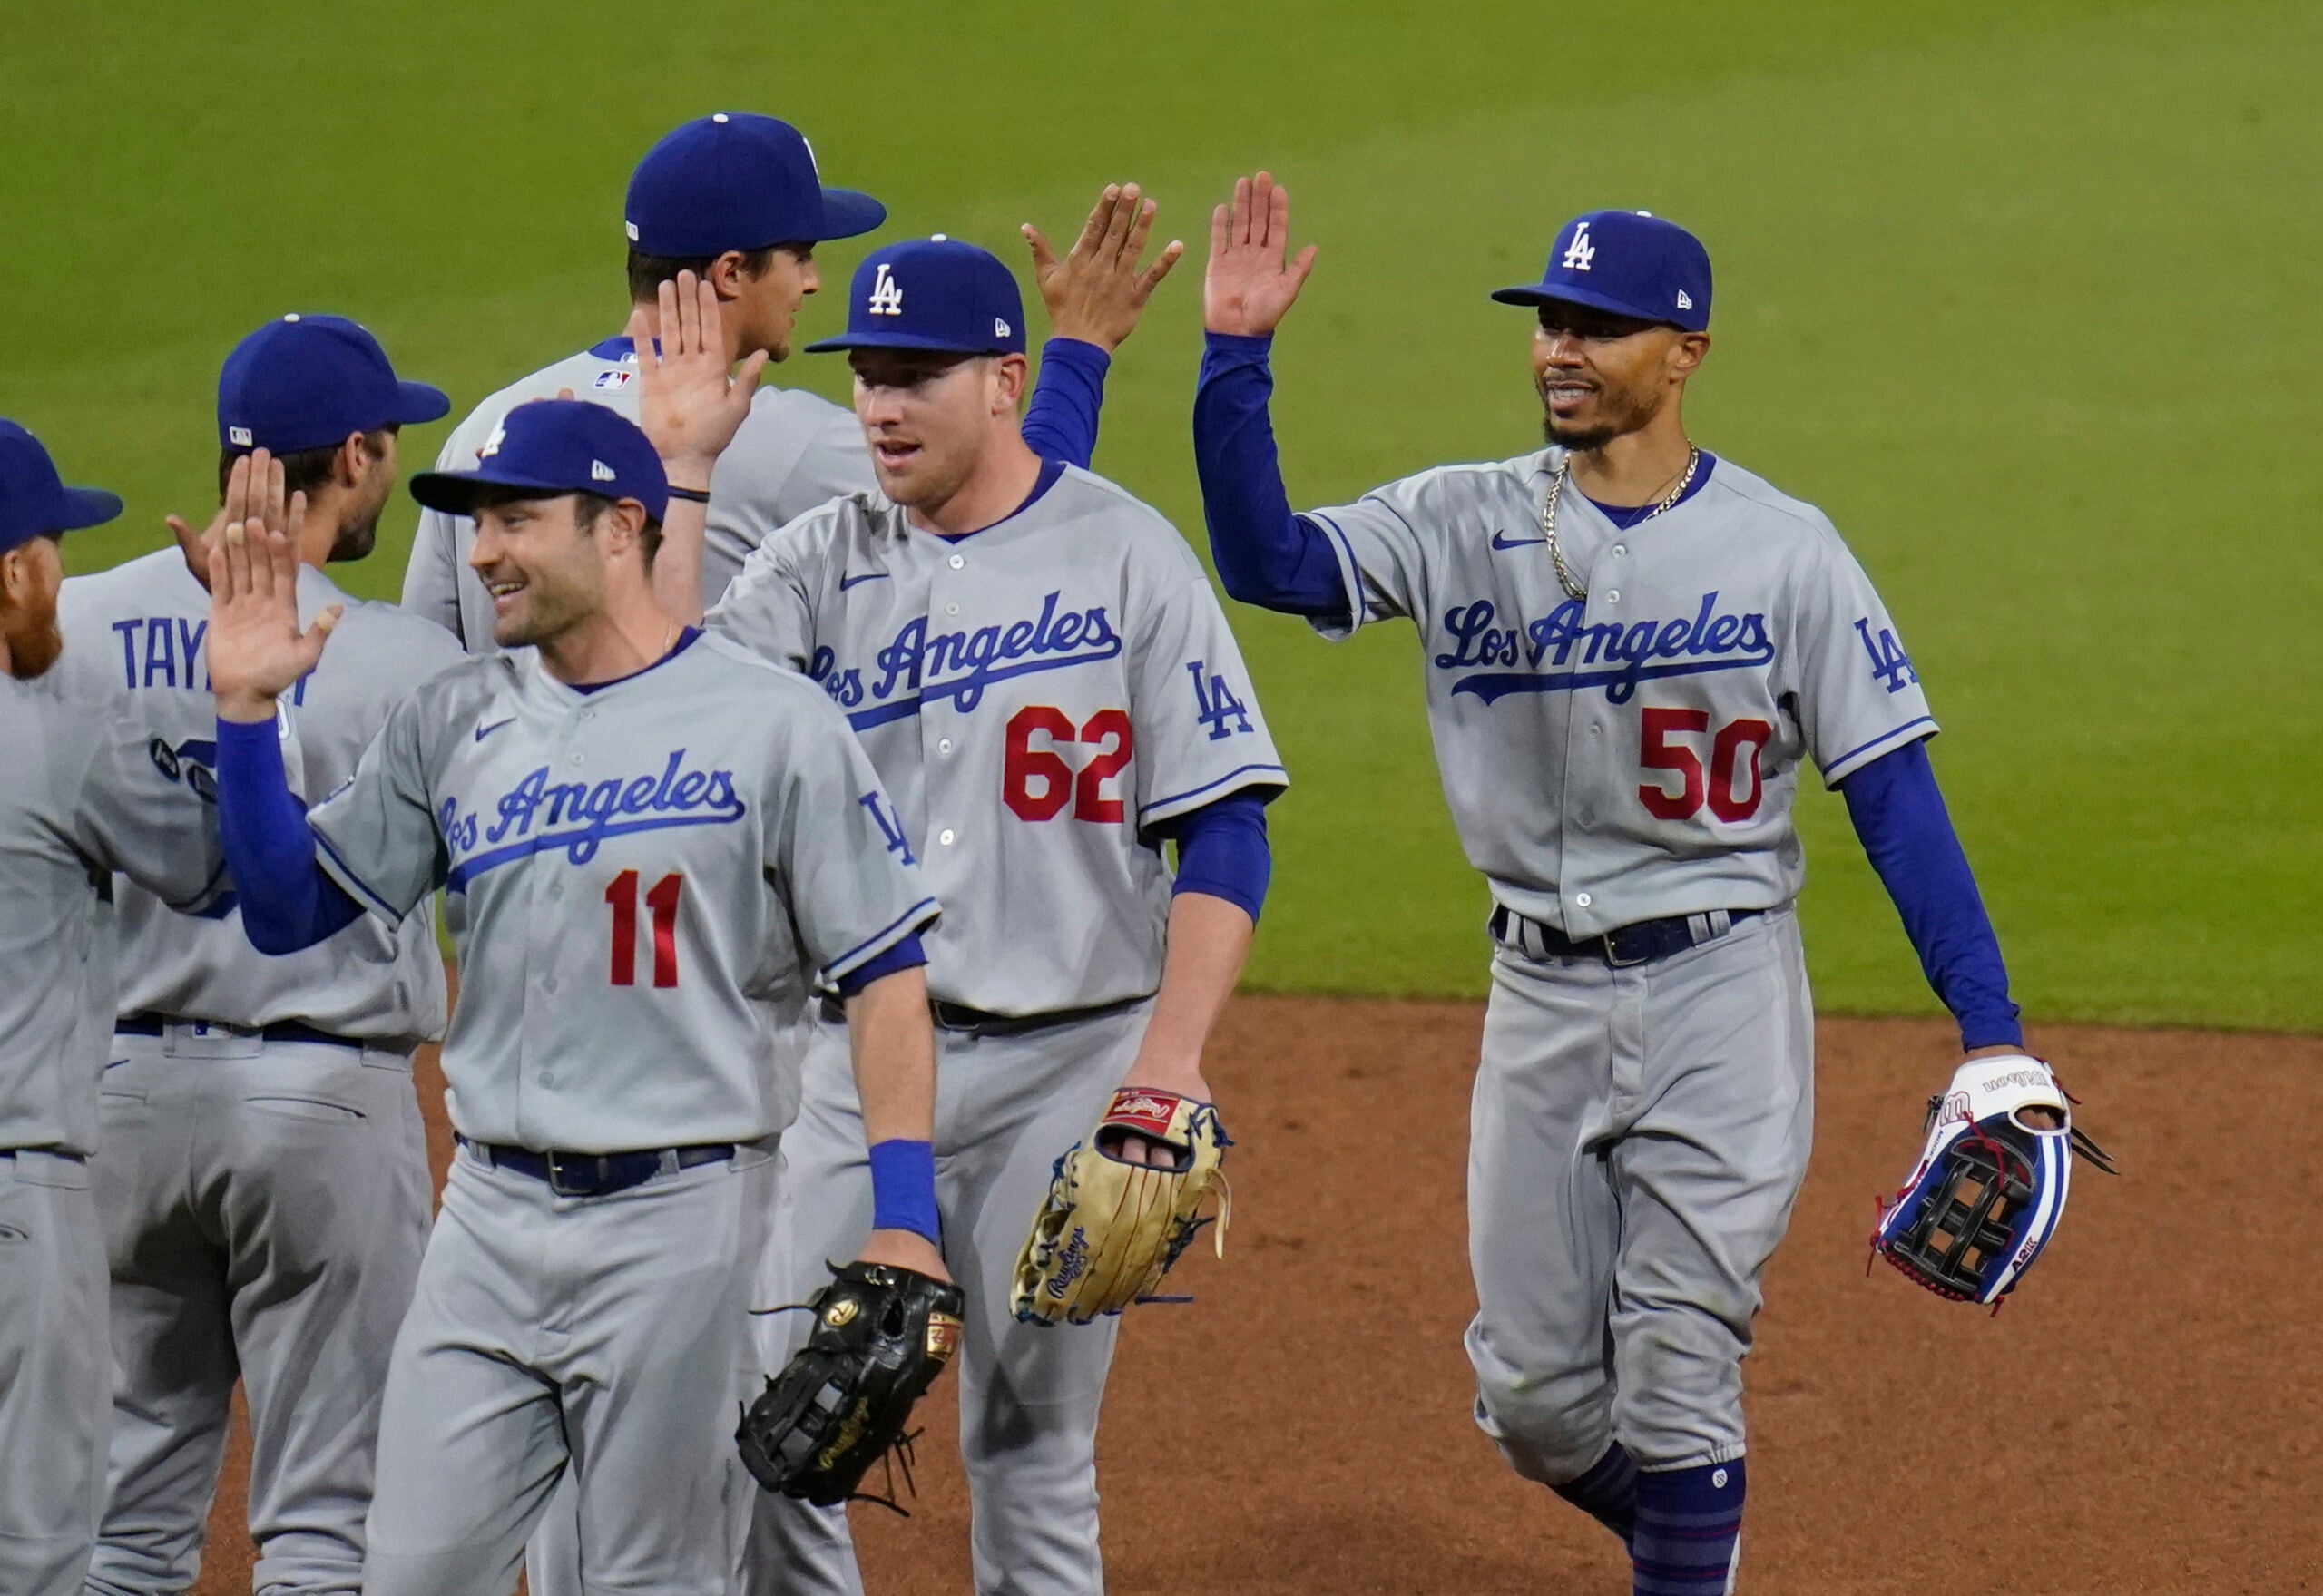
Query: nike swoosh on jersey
[1501,540]
[483,731]
[847,582]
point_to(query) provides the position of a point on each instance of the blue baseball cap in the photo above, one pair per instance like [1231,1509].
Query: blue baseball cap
[935,293]
[552,447]
[35,502]
[1628,263]
[305,382]
[738,182]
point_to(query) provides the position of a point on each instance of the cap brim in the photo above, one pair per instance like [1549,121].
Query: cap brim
[904,340]
[1562,294]
[458,493]
[847,213]
[88,506]
[417,401]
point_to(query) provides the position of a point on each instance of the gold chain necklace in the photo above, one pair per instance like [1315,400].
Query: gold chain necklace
[1556,490]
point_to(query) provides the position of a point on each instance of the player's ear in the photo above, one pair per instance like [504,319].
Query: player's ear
[1688,354]
[1008,381]
[727,273]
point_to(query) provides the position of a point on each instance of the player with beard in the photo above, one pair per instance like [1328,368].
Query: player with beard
[265,1191]
[80,799]
[1630,648]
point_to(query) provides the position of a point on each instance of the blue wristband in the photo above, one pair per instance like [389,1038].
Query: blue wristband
[903,1188]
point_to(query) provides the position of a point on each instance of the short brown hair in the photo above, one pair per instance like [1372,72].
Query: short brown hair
[647,273]
[307,469]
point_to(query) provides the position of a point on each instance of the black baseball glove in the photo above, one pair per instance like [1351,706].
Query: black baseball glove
[882,1335]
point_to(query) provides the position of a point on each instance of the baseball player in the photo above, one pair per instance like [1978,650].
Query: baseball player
[735,200]
[649,842]
[1629,646]
[264,1185]
[1044,678]
[80,797]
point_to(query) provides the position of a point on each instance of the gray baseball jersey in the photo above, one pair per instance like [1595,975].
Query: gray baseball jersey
[80,799]
[136,632]
[1038,696]
[1634,756]
[794,451]
[642,878]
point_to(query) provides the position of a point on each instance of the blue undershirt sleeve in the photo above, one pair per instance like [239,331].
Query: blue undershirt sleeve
[906,955]
[1222,851]
[1265,555]
[288,901]
[1060,421]
[1899,814]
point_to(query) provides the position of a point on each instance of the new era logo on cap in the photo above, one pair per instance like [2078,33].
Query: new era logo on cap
[999,327]
[600,471]
[1685,301]
[239,436]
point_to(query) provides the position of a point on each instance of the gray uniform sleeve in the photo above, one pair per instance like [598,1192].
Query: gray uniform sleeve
[835,463]
[1383,542]
[377,834]
[137,814]
[837,852]
[1858,696]
[1198,735]
[766,607]
[431,580]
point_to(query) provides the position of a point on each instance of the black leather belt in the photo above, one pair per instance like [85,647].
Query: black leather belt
[597,1174]
[964,1021]
[147,1023]
[1622,946]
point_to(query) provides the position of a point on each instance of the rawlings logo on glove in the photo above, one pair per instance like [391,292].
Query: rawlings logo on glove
[1110,1228]
[1991,1183]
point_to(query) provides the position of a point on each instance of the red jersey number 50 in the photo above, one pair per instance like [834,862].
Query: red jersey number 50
[1733,758]
[1038,783]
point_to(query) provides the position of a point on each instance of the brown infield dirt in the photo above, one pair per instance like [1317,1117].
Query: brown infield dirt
[2145,1416]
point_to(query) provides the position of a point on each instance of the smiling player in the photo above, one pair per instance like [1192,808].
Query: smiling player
[1630,647]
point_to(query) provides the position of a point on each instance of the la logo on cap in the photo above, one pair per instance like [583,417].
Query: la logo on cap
[887,294]
[491,444]
[1581,251]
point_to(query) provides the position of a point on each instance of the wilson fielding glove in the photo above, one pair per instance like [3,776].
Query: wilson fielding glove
[1990,1185]
[1110,1229]
[881,1336]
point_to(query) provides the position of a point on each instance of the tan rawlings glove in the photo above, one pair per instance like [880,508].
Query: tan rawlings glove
[1110,1229]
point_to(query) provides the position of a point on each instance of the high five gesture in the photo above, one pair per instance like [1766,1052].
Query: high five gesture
[1249,286]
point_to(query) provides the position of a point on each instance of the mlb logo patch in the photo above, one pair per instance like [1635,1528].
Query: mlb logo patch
[614,379]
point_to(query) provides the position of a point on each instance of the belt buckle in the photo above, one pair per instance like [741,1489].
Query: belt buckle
[558,1165]
[1613,957]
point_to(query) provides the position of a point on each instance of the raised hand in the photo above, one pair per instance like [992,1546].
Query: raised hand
[1097,292]
[691,399]
[253,488]
[255,646]
[1248,287]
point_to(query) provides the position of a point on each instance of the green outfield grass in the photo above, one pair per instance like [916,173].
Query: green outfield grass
[2021,293]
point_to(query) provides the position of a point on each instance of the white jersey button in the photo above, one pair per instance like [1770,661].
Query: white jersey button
[1595,729]
[1620,549]
[958,561]
[944,745]
[1582,899]
[1614,597]
[950,609]
[944,836]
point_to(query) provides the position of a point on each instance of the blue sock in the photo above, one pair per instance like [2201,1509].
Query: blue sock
[1607,1491]
[1688,1521]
